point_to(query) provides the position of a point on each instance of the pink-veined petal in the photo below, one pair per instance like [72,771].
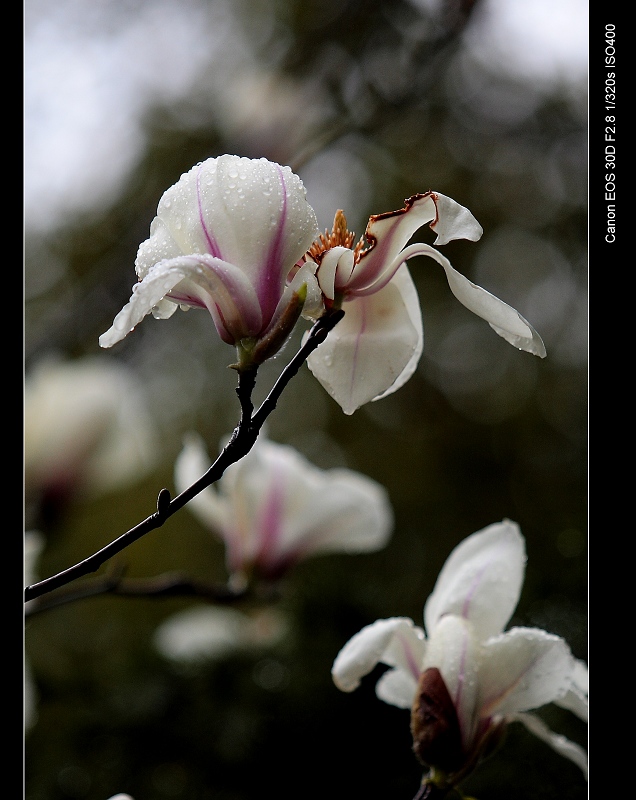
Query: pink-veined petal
[502,318]
[562,745]
[455,650]
[374,349]
[481,580]
[203,281]
[369,646]
[522,669]
[390,232]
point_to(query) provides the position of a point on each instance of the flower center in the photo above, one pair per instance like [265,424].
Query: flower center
[340,236]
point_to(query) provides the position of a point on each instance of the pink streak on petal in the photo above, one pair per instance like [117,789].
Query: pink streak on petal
[269,288]
[413,666]
[471,591]
[270,522]
[215,250]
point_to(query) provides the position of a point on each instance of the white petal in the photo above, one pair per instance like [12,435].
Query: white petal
[397,687]
[524,668]
[145,296]
[390,232]
[374,349]
[502,318]
[575,699]
[454,222]
[329,266]
[557,742]
[481,580]
[368,648]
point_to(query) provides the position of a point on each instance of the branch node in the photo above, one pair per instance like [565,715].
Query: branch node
[163,502]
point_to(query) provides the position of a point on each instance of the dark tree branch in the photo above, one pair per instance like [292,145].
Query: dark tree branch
[240,443]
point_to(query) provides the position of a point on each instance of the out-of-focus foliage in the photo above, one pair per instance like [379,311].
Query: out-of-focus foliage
[370,102]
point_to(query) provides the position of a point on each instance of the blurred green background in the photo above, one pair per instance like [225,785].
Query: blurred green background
[370,102]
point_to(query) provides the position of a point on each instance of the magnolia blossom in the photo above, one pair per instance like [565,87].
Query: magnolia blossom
[226,237]
[273,507]
[87,428]
[375,349]
[464,678]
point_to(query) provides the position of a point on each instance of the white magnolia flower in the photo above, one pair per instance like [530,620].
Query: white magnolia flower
[87,428]
[376,347]
[273,507]
[226,237]
[465,678]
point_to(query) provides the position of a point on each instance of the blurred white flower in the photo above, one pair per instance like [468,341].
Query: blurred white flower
[212,632]
[465,678]
[273,507]
[87,428]
[226,237]
[376,347]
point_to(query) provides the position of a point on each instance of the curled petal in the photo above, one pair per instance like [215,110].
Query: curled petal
[574,752]
[502,318]
[372,645]
[390,232]
[146,295]
[524,668]
[481,580]
[375,348]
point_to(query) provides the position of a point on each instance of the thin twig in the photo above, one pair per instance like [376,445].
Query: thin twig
[240,443]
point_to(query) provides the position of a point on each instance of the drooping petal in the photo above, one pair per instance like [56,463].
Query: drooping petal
[455,650]
[390,232]
[374,349]
[524,668]
[370,646]
[502,318]
[481,580]
[562,745]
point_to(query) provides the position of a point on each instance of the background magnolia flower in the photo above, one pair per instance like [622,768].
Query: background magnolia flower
[226,237]
[87,428]
[375,349]
[211,632]
[273,507]
[465,679]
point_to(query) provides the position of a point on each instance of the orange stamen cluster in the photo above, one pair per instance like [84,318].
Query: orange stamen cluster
[340,236]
